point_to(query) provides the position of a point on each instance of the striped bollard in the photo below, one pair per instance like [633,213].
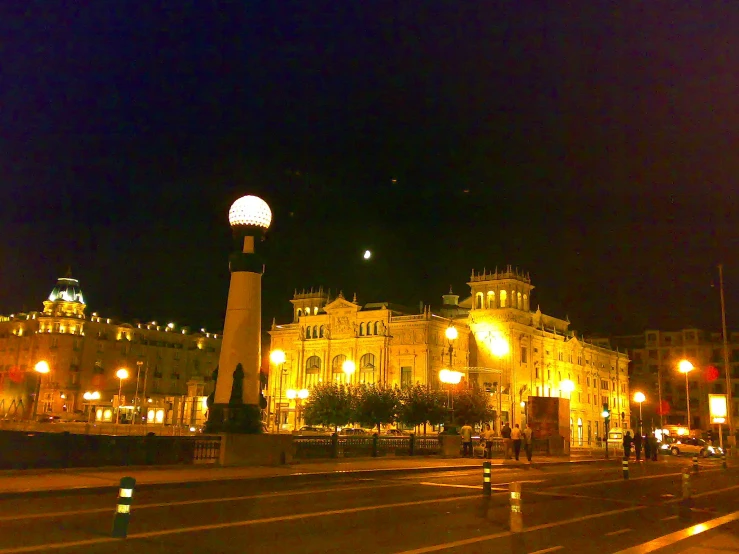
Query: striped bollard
[123,507]
[625,468]
[486,485]
[723,460]
[685,501]
[695,464]
[516,523]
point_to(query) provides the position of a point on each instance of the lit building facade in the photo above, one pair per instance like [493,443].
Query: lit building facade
[169,367]
[655,355]
[502,346]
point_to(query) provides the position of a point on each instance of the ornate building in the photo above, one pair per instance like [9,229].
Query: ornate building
[501,345]
[169,367]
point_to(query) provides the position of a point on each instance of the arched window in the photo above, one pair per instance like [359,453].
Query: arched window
[526,302]
[361,329]
[312,371]
[377,326]
[307,311]
[300,312]
[520,305]
[321,331]
[503,298]
[307,332]
[337,368]
[367,366]
[478,301]
[491,300]
[315,331]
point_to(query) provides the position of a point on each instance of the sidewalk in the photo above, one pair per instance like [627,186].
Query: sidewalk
[33,481]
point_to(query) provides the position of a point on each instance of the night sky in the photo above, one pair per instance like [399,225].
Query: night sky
[594,146]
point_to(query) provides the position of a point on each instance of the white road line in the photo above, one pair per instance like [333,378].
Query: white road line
[196,501]
[232,524]
[669,518]
[545,550]
[450,485]
[619,532]
[677,536]
[593,483]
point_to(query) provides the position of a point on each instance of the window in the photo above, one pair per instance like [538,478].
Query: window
[525,355]
[560,356]
[652,354]
[377,327]
[54,342]
[520,303]
[604,400]
[690,335]
[406,376]
[478,301]
[623,389]
[337,367]
[537,372]
[651,337]
[307,332]
[300,312]
[579,360]
[491,300]
[588,381]
[307,311]
[361,329]
[315,331]
[312,371]
[503,298]
[367,362]
[604,384]
[668,340]
[321,330]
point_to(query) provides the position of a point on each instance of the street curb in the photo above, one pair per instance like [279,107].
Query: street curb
[298,476]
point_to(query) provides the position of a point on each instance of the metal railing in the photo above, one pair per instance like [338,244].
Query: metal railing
[335,446]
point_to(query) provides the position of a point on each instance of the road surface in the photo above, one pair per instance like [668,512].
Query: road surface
[573,508]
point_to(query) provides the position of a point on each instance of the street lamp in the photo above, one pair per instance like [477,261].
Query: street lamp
[348,367]
[451,335]
[686,367]
[122,374]
[639,397]
[42,368]
[298,396]
[89,397]
[450,378]
[277,357]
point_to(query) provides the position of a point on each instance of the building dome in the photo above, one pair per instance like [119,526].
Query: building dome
[67,289]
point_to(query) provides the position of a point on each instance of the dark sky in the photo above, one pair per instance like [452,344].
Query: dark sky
[590,143]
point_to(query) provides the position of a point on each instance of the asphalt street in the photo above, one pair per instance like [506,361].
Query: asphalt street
[573,508]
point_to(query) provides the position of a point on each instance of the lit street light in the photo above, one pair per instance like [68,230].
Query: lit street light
[639,397]
[122,374]
[277,357]
[348,367]
[298,396]
[89,397]
[686,367]
[42,368]
[450,378]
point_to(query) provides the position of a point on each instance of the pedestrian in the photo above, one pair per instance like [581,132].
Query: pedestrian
[627,445]
[637,446]
[655,447]
[648,448]
[516,438]
[507,443]
[488,437]
[528,435]
[466,432]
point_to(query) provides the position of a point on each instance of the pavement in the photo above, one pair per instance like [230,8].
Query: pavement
[15,482]
[571,507]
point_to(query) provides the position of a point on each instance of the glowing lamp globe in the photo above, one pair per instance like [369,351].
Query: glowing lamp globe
[277,357]
[250,211]
[42,367]
[639,397]
[348,367]
[567,386]
[451,333]
[685,366]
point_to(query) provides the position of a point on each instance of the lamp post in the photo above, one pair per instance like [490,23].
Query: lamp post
[639,397]
[89,397]
[686,367]
[451,335]
[122,374]
[450,378]
[42,368]
[277,357]
[298,396]
[568,386]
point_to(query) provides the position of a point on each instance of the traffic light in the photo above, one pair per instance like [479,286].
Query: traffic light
[606,413]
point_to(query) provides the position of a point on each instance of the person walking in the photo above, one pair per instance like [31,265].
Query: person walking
[488,438]
[516,438]
[466,432]
[647,448]
[528,435]
[507,443]
[627,445]
[637,446]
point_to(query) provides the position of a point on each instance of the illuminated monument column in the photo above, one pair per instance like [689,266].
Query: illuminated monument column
[236,403]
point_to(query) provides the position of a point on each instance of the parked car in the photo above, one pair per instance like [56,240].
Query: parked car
[351,431]
[395,433]
[692,446]
[308,430]
[48,418]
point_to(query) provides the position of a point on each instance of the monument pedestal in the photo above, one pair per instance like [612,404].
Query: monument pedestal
[239,449]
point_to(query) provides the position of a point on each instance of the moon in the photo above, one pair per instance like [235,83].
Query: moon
[367,255]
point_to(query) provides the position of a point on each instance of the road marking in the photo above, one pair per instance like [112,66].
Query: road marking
[707,493]
[447,545]
[583,496]
[196,501]
[449,485]
[232,524]
[669,518]
[677,536]
[619,532]
[544,551]
[593,483]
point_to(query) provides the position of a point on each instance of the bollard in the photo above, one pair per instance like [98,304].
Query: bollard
[411,444]
[685,501]
[123,508]
[625,468]
[516,514]
[487,488]
[375,445]
[695,464]
[723,460]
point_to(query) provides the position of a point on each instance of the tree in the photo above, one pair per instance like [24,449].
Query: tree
[473,406]
[420,405]
[375,405]
[330,405]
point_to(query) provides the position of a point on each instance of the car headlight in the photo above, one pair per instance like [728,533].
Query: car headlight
[665,447]
[711,449]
